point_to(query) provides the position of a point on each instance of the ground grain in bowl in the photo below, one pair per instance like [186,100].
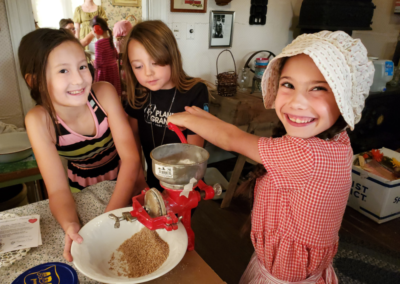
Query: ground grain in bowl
[139,255]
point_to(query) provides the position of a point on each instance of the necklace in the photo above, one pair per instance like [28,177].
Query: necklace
[165,127]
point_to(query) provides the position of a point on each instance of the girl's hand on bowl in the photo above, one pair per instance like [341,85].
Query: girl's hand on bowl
[71,234]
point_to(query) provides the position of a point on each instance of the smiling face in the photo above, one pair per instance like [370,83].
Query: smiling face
[67,75]
[305,103]
[148,73]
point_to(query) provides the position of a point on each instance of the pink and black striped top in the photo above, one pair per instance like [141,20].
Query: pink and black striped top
[91,159]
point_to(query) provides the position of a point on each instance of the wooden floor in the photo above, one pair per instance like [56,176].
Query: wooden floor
[218,233]
[357,225]
[220,244]
[218,239]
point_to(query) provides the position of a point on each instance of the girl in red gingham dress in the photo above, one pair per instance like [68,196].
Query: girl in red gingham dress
[105,55]
[317,85]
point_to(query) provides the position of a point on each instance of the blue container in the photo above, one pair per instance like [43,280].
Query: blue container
[259,70]
[51,272]
[260,66]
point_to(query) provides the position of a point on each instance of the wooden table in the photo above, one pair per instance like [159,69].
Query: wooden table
[192,269]
[246,111]
[90,203]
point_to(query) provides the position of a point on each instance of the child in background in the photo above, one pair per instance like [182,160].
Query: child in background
[318,85]
[105,54]
[85,124]
[157,87]
[120,30]
[68,24]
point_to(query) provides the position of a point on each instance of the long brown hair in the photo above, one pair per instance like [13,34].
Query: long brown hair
[103,25]
[160,44]
[33,53]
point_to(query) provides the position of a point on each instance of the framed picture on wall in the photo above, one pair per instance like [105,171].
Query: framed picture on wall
[134,3]
[189,6]
[221,28]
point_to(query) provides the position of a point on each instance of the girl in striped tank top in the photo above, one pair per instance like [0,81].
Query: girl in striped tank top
[74,119]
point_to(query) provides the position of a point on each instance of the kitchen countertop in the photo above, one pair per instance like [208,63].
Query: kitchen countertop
[90,203]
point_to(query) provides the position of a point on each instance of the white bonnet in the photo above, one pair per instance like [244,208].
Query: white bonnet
[343,62]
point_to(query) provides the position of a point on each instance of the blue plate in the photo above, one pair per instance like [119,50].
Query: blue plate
[51,272]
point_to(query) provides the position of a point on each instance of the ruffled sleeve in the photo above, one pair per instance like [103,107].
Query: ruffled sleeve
[102,13]
[77,15]
[288,156]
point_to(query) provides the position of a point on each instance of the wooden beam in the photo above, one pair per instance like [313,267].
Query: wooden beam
[233,181]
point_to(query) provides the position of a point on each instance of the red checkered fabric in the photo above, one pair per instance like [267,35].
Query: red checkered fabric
[299,204]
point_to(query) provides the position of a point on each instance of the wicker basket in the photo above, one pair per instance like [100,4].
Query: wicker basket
[227,81]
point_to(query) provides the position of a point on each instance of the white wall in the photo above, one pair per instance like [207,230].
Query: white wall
[10,103]
[200,61]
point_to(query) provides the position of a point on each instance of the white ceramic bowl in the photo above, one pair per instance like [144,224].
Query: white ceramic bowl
[101,239]
[14,146]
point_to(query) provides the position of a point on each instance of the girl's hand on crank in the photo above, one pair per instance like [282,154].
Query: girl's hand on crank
[194,110]
[179,119]
[71,234]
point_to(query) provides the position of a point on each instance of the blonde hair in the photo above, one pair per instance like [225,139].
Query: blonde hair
[160,44]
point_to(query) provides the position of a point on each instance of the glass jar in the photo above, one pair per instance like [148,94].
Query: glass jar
[243,78]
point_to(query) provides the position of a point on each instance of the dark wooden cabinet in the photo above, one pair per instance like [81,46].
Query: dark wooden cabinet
[380,122]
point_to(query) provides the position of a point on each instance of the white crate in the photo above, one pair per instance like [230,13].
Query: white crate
[375,197]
